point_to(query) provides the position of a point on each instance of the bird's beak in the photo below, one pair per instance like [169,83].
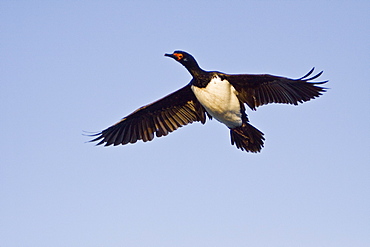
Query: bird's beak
[170,55]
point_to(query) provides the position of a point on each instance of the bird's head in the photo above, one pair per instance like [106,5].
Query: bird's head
[184,58]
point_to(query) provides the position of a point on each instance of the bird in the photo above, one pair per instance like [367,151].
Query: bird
[212,94]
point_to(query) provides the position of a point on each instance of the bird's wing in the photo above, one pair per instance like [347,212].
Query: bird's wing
[257,90]
[161,117]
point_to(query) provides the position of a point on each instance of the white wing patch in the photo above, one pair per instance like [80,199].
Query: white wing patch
[220,101]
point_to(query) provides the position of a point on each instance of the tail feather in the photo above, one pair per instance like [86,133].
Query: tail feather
[247,137]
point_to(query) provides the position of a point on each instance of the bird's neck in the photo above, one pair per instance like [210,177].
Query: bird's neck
[195,70]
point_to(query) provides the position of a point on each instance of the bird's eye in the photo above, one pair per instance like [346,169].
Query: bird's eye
[179,56]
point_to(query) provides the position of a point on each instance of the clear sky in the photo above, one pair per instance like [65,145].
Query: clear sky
[73,66]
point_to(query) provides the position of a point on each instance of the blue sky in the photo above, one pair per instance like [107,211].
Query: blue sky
[68,67]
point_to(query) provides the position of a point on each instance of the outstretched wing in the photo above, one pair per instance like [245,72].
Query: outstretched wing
[161,117]
[257,90]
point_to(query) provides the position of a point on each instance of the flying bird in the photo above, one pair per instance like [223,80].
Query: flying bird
[216,95]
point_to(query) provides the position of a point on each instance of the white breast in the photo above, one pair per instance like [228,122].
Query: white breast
[220,101]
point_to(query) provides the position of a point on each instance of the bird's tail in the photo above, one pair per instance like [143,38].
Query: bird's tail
[247,137]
